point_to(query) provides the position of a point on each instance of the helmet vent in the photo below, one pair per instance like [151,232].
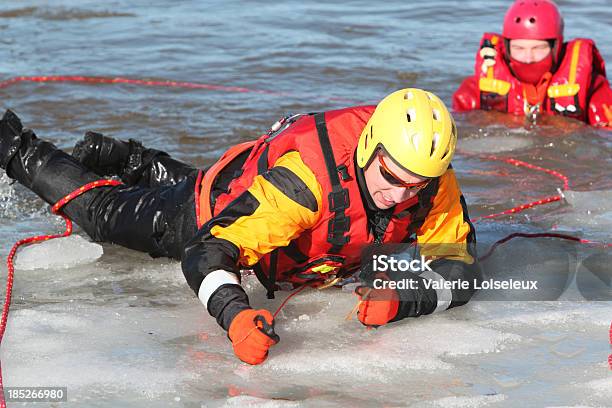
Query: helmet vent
[532,20]
[436,114]
[434,142]
[411,115]
[445,153]
[408,95]
[517,20]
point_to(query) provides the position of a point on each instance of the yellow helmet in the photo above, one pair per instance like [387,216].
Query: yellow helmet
[414,128]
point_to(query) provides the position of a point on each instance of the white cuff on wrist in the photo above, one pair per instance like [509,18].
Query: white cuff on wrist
[214,281]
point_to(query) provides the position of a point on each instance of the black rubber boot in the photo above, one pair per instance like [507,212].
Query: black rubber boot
[22,154]
[37,164]
[49,172]
[130,161]
[10,137]
[107,156]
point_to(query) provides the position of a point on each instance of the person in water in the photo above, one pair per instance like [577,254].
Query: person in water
[298,205]
[529,69]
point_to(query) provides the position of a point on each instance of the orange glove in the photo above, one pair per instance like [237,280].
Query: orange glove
[377,306]
[252,334]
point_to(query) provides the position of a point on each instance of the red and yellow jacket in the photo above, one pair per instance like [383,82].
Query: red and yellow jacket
[297,213]
[578,88]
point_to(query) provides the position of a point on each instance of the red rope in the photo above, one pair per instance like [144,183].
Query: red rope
[295,292]
[131,81]
[520,163]
[150,83]
[55,209]
[520,208]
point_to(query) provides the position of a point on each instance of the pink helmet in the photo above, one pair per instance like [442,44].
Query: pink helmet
[533,20]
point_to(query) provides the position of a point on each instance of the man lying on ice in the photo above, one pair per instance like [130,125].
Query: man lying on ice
[297,205]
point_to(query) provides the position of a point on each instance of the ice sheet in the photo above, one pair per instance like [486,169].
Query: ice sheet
[58,253]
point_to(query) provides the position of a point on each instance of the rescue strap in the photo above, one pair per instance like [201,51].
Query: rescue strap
[338,198]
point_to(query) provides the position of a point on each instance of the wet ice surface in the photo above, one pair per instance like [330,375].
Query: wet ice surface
[590,210]
[121,329]
[126,331]
[127,336]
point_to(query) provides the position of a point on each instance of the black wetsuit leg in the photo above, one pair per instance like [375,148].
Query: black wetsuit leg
[134,163]
[156,215]
[157,220]
[159,169]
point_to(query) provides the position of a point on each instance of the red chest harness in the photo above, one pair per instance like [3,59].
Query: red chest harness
[333,246]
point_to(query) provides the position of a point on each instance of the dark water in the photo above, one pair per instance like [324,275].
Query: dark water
[319,56]
[356,50]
